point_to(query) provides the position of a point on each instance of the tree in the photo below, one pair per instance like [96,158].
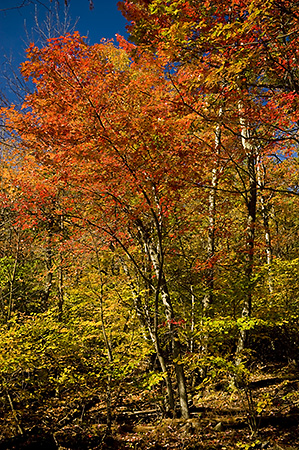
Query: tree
[96,147]
[231,52]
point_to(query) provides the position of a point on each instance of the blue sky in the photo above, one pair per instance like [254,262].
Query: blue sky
[17,25]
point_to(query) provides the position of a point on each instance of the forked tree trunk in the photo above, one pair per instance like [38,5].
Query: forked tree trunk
[153,332]
[161,359]
[154,255]
[144,315]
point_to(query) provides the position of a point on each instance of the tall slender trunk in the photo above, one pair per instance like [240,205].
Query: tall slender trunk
[265,215]
[192,328]
[208,297]
[61,275]
[49,264]
[110,361]
[209,272]
[60,290]
[211,245]
[106,343]
[250,232]
[12,278]
[251,204]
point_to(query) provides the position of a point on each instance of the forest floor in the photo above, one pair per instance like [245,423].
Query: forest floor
[265,415]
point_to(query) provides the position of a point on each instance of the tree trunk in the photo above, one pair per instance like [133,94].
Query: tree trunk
[60,291]
[166,300]
[265,216]
[192,328]
[151,325]
[211,245]
[49,264]
[208,297]
[60,276]
[110,361]
[12,278]
[251,203]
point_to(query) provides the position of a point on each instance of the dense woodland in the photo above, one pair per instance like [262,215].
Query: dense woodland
[149,252]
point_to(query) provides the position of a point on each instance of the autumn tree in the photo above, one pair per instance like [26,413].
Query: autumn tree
[163,165]
[117,147]
[243,57]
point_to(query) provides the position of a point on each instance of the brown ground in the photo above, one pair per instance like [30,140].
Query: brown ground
[264,416]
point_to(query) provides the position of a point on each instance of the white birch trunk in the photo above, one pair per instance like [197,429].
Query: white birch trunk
[265,215]
[144,316]
[251,202]
[208,298]
[179,370]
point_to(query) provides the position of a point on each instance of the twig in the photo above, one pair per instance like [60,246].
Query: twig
[14,414]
